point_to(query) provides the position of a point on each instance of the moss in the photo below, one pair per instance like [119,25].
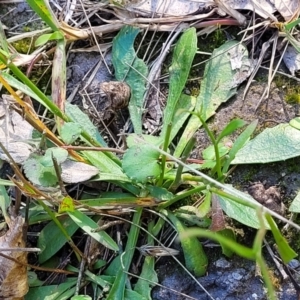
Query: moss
[291,88]
[24,46]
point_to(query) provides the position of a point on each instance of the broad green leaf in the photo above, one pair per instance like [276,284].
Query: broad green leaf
[51,240]
[179,70]
[238,144]
[230,128]
[103,163]
[51,292]
[194,255]
[140,163]
[43,39]
[131,69]
[183,109]
[218,85]
[39,174]
[160,193]
[70,132]
[273,144]
[295,205]
[59,154]
[79,117]
[44,11]
[285,251]
[88,225]
[295,123]
[242,213]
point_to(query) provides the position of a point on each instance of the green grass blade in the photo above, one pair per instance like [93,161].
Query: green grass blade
[42,8]
[118,289]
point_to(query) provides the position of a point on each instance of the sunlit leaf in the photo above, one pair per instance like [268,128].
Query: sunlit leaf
[66,204]
[141,163]
[70,132]
[88,225]
[273,144]
[43,39]
[218,85]
[59,154]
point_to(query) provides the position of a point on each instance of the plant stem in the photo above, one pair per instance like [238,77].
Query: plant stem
[163,157]
[182,195]
[215,144]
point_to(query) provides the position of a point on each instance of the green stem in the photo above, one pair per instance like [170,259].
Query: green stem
[163,157]
[187,150]
[182,195]
[215,144]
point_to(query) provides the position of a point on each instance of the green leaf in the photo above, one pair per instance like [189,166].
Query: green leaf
[44,11]
[132,70]
[140,163]
[183,109]
[59,154]
[285,251]
[51,240]
[43,39]
[229,234]
[230,128]
[238,144]
[70,132]
[132,295]
[81,297]
[4,202]
[79,117]
[52,292]
[292,24]
[160,193]
[295,123]
[194,255]
[273,144]
[242,213]
[148,276]
[88,225]
[118,289]
[295,205]
[209,152]
[179,70]
[37,173]
[218,85]
[205,206]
